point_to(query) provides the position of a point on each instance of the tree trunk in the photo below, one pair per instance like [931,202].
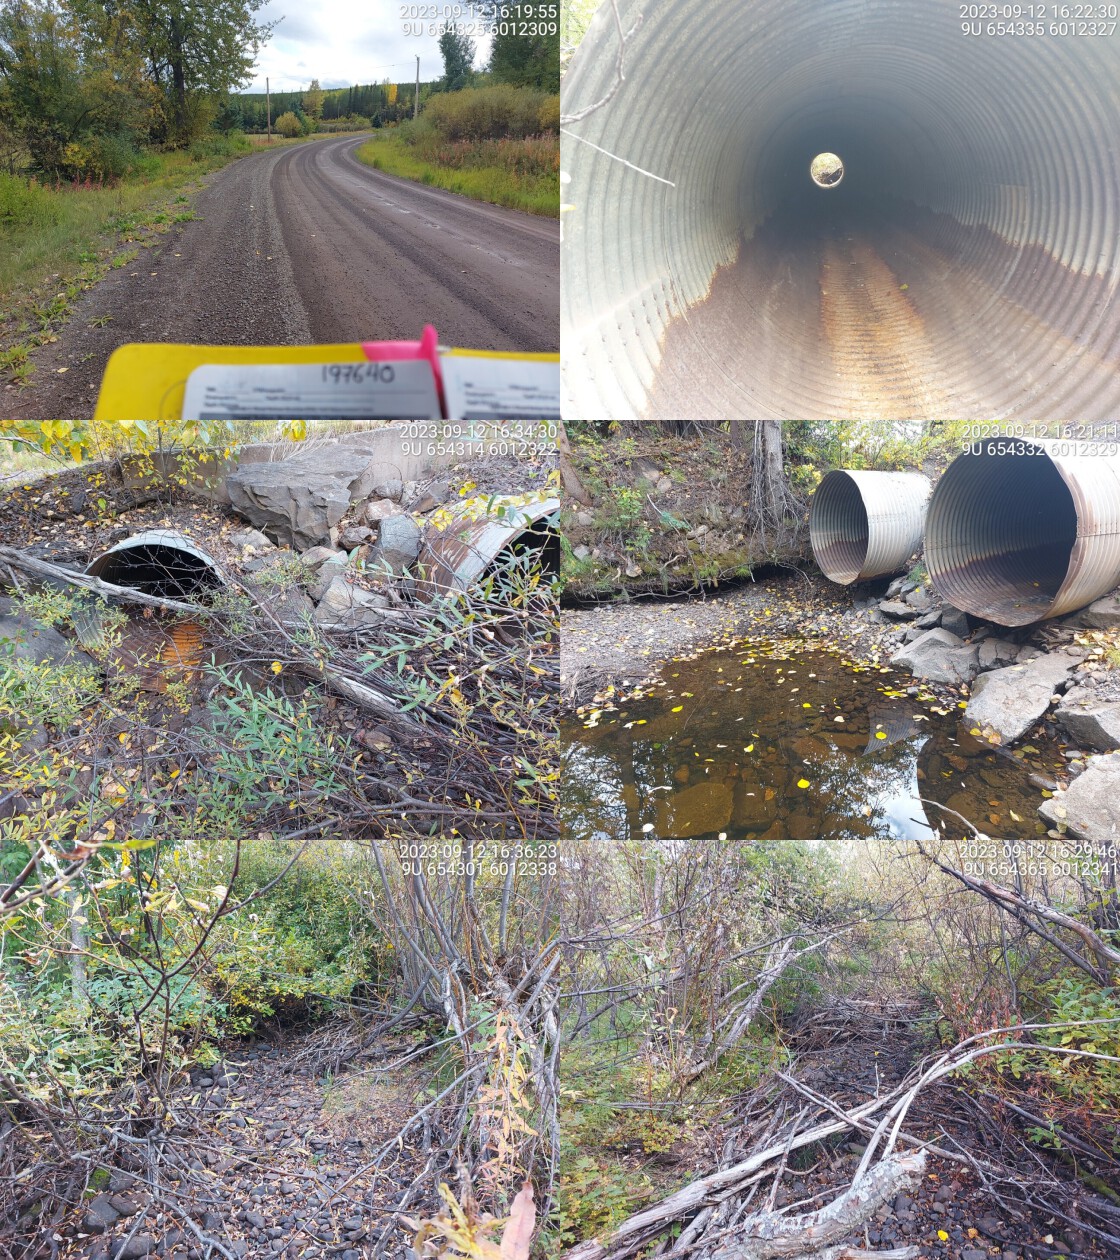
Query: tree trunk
[178,80]
[569,478]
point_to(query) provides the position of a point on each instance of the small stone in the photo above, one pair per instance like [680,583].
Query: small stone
[431,496]
[123,1204]
[381,509]
[121,1181]
[354,535]
[973,1253]
[289,1187]
[99,1215]
[391,489]
[211,1221]
[134,1247]
[316,556]
[251,538]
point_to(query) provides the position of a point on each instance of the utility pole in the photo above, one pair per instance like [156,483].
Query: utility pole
[268,107]
[416,102]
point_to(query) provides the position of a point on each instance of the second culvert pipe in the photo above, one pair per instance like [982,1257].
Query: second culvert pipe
[1020,530]
[967,264]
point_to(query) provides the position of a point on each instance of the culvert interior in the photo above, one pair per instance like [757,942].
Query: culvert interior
[966,265]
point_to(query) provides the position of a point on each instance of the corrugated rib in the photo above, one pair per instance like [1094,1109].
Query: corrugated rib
[867,524]
[1020,530]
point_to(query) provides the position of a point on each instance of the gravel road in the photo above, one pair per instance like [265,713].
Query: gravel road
[305,244]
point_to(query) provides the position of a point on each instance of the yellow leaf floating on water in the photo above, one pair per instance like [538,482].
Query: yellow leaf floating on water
[678,708]
[749,748]
[806,706]
[802,783]
[880,734]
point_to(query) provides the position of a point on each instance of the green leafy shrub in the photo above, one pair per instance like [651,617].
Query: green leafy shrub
[487,113]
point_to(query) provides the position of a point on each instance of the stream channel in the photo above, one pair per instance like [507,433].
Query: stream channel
[789,740]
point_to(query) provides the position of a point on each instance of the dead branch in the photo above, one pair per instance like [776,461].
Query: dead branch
[770,1235]
[43,568]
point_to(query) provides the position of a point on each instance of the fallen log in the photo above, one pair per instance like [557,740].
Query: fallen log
[776,1236]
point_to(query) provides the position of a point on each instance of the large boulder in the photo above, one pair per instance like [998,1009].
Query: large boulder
[1090,721]
[1102,614]
[939,657]
[297,501]
[1009,701]
[398,545]
[1089,809]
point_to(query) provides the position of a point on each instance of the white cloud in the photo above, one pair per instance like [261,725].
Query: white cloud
[341,42]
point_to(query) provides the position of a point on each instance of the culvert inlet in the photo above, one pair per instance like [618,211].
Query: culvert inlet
[474,543]
[867,524]
[1020,530]
[967,264]
[158,562]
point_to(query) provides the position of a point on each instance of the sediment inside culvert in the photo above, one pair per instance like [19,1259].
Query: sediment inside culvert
[967,264]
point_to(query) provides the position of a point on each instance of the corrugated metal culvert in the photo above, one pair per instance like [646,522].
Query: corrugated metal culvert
[967,265]
[457,555]
[1022,530]
[867,524]
[160,562]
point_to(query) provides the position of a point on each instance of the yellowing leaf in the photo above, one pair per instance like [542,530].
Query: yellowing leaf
[802,783]
[678,708]
[880,734]
[276,667]
[943,1235]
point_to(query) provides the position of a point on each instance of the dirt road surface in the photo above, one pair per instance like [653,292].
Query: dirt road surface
[306,244]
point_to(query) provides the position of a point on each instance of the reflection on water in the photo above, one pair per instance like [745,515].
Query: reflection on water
[777,741]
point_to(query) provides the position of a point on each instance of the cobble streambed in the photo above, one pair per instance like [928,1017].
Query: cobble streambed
[783,739]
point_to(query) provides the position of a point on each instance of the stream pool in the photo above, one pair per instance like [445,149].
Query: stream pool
[787,740]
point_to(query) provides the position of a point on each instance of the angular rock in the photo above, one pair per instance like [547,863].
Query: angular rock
[927,621]
[955,621]
[354,535]
[318,556]
[298,500]
[1102,614]
[328,571]
[940,657]
[99,1215]
[997,652]
[133,1248]
[348,607]
[380,509]
[919,598]
[1089,809]
[286,602]
[392,489]
[1009,701]
[895,588]
[430,496]
[1090,721]
[397,547]
[251,538]
[898,610]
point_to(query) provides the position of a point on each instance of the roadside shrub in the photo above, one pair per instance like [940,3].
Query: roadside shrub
[289,125]
[25,202]
[487,113]
[550,113]
[218,145]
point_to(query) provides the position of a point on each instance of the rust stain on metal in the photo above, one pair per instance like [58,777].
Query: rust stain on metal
[160,652]
[457,556]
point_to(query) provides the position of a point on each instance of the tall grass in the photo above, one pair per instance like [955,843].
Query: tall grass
[496,144]
[49,229]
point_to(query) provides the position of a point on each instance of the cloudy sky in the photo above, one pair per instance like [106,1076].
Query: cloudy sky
[340,42]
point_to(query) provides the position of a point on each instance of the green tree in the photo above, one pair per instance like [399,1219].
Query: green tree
[522,59]
[197,48]
[457,49]
[72,86]
[313,101]
[288,125]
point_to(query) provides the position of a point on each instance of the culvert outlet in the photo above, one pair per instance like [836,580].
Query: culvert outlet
[867,524]
[158,562]
[1020,530]
[967,264]
[460,553]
